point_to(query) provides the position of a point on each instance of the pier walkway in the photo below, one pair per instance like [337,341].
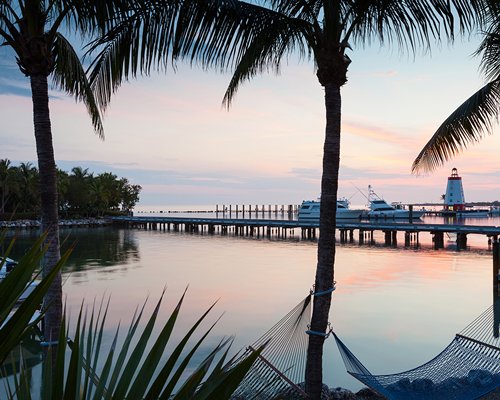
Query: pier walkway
[308,229]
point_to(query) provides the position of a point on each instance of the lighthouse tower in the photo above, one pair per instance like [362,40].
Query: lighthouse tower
[454,199]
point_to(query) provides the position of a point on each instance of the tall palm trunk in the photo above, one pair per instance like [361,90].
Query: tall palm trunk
[326,241]
[49,205]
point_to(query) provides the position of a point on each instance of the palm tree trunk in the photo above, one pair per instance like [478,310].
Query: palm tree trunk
[48,190]
[326,241]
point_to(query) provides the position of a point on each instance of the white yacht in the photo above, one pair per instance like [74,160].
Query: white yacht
[309,210]
[7,265]
[379,208]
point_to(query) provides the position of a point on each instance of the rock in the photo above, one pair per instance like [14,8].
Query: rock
[403,385]
[369,394]
[423,385]
[341,394]
[480,377]
[495,395]
[451,384]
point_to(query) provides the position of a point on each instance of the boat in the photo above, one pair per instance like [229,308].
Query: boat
[379,208]
[494,211]
[473,213]
[7,265]
[309,210]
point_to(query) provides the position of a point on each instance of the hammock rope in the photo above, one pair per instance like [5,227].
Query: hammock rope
[468,368]
[283,359]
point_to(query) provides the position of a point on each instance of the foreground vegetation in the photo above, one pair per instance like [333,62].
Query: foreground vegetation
[80,192]
[251,36]
[135,366]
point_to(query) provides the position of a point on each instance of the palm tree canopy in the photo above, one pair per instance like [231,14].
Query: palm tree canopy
[33,29]
[476,116]
[255,37]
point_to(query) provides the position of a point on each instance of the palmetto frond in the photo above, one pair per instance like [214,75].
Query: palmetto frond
[14,319]
[142,365]
[466,125]
[69,75]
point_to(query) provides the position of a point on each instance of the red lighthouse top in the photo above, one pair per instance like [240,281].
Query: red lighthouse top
[454,175]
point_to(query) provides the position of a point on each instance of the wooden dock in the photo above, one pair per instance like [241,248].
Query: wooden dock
[309,229]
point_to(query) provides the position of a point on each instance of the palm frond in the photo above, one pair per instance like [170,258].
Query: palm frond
[466,125]
[490,47]
[86,17]
[269,48]
[70,76]
[410,24]
[139,41]
[212,33]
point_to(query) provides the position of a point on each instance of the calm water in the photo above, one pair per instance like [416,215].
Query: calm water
[396,308]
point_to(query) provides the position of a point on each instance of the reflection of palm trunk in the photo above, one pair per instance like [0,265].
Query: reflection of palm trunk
[496,289]
[48,192]
[326,241]
[496,313]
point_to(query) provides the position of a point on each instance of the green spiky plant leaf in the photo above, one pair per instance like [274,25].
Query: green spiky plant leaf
[139,368]
[14,316]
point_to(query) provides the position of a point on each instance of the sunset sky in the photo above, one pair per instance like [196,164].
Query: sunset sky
[170,134]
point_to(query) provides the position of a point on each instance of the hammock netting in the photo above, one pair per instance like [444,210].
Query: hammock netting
[468,368]
[282,362]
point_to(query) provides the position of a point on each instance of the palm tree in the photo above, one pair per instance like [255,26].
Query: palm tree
[33,30]
[28,186]
[6,182]
[476,116]
[254,38]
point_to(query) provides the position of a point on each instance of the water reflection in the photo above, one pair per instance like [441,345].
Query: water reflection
[99,248]
[496,314]
[396,307]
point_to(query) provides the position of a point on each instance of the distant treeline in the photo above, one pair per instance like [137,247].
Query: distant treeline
[81,193]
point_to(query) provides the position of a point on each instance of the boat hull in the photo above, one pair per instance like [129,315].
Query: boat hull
[310,210]
[395,214]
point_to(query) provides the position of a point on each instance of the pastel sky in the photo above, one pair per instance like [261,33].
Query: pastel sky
[170,134]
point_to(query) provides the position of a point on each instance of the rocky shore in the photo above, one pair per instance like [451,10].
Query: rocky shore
[68,223]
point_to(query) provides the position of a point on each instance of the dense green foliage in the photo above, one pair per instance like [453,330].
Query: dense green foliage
[80,193]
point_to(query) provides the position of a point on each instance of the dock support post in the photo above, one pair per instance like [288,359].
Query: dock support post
[388,236]
[407,239]
[438,238]
[461,241]
[361,236]
[496,267]
[394,238]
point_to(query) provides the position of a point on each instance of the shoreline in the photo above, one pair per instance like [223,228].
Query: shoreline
[64,223]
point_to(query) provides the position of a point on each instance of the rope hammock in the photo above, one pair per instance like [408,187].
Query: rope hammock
[468,368]
[282,362]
